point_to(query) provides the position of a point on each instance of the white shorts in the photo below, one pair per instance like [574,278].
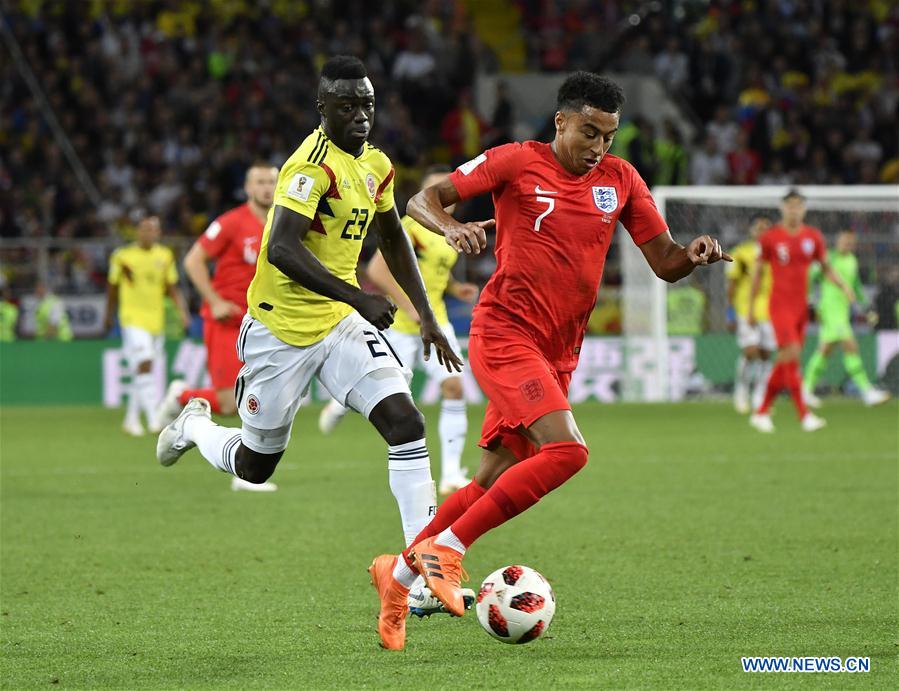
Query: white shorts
[139,345]
[759,336]
[354,362]
[411,352]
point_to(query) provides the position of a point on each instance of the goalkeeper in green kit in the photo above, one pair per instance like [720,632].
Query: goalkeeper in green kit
[834,317]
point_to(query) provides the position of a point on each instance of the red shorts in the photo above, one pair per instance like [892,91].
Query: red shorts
[221,352]
[521,386]
[789,326]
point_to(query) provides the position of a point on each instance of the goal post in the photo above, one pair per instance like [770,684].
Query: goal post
[655,361]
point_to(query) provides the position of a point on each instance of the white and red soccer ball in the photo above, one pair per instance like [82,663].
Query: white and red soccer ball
[515,604]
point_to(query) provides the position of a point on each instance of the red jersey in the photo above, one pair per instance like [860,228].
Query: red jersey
[553,231]
[233,241]
[790,255]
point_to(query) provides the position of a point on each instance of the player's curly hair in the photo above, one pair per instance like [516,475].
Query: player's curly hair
[588,89]
[343,67]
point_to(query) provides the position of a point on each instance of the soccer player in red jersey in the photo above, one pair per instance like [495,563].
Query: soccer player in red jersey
[790,247]
[232,242]
[557,206]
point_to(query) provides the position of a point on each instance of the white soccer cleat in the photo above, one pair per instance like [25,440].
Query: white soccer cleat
[172,443]
[811,400]
[452,484]
[423,604]
[874,396]
[741,402]
[811,422]
[133,428]
[241,485]
[330,416]
[762,422]
[169,407]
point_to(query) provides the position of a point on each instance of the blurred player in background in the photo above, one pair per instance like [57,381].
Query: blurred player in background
[435,261]
[140,276]
[232,242]
[308,318]
[756,342]
[834,312]
[789,248]
[557,206]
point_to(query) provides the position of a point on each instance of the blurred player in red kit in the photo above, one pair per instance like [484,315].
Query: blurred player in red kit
[790,247]
[557,206]
[232,242]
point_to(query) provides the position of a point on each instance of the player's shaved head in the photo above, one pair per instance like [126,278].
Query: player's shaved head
[346,102]
[259,184]
[338,68]
[846,240]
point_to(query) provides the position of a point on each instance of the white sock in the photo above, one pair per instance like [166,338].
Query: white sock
[146,395]
[741,385]
[453,427]
[409,469]
[336,409]
[448,539]
[132,405]
[403,574]
[762,373]
[217,444]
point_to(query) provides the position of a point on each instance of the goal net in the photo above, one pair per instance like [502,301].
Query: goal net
[673,356]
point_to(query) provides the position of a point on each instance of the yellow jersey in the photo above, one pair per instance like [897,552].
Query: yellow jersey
[341,194]
[435,261]
[745,256]
[142,276]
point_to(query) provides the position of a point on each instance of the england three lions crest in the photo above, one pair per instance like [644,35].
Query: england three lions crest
[605,198]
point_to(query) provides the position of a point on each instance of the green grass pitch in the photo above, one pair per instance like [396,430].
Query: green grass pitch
[688,541]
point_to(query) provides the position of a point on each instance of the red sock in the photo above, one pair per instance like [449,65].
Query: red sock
[208,394]
[793,383]
[775,382]
[454,506]
[519,488]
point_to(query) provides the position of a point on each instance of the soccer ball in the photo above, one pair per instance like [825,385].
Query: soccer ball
[515,604]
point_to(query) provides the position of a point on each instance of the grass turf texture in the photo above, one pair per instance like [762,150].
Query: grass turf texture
[688,541]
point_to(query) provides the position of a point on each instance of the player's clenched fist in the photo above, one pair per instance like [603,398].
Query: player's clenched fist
[470,237]
[432,335]
[376,309]
[706,250]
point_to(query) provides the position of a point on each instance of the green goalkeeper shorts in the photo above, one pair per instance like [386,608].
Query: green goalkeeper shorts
[834,330]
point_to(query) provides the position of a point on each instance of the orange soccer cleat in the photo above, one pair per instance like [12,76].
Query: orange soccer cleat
[442,570]
[394,602]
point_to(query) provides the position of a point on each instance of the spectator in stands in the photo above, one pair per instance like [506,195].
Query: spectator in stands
[672,164]
[463,130]
[9,316]
[51,320]
[743,162]
[708,166]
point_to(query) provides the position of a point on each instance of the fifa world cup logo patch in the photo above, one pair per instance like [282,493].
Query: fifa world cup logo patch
[532,390]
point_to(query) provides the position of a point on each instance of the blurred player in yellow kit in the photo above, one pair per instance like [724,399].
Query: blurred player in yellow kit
[756,342]
[140,276]
[435,261]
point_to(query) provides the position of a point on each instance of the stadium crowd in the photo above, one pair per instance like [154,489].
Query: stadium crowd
[165,103]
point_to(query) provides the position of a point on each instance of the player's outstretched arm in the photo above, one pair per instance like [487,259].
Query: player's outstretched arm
[288,254]
[379,274]
[428,207]
[838,281]
[196,266]
[397,252]
[754,286]
[112,301]
[671,261]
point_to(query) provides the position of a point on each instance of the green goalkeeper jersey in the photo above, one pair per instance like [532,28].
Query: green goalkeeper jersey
[833,304]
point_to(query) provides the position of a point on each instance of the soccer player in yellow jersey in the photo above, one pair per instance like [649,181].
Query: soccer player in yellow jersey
[140,276]
[435,261]
[756,342]
[308,318]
